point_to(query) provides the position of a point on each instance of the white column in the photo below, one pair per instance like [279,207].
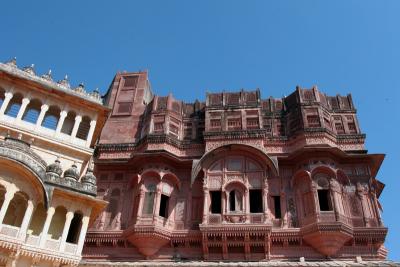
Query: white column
[91,132]
[26,220]
[63,115]
[7,98]
[78,120]
[205,206]
[43,111]
[67,225]
[25,102]
[43,236]
[82,234]
[7,199]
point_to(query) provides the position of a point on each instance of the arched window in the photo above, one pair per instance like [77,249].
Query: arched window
[51,118]
[16,210]
[38,219]
[14,105]
[75,228]
[235,201]
[148,204]
[69,122]
[83,129]
[324,199]
[57,223]
[32,111]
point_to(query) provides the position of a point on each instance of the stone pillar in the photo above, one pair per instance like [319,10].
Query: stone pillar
[265,201]
[91,132]
[78,120]
[333,187]
[43,111]
[284,209]
[364,204]
[63,115]
[157,200]
[7,199]
[316,201]
[223,208]
[7,98]
[68,218]
[205,206]
[25,102]
[189,202]
[26,220]
[82,234]
[43,235]
[140,205]
[247,203]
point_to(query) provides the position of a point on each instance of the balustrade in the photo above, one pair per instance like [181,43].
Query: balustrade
[37,125]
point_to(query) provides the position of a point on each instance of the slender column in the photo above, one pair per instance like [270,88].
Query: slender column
[7,98]
[68,219]
[82,234]
[7,199]
[63,115]
[44,108]
[265,201]
[224,211]
[157,204]
[78,120]
[205,206]
[91,131]
[376,206]
[316,202]
[140,206]
[364,205]
[283,209]
[26,220]
[247,203]
[25,102]
[189,208]
[43,236]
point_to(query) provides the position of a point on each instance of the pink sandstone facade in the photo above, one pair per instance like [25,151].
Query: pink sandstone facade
[234,178]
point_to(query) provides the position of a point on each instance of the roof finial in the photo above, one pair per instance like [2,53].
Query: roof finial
[47,76]
[30,69]
[12,62]
[64,82]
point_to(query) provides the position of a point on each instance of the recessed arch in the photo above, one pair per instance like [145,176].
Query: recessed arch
[172,178]
[209,157]
[15,172]
[14,105]
[51,118]
[32,111]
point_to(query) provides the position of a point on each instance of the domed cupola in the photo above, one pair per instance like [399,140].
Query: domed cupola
[55,168]
[72,172]
[89,177]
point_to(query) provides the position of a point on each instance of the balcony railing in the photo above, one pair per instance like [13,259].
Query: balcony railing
[9,233]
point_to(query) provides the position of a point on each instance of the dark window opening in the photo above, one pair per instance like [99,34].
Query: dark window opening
[164,206]
[256,203]
[74,229]
[277,207]
[215,201]
[232,200]
[324,201]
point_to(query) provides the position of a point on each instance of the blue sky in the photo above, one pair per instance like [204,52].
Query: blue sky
[193,46]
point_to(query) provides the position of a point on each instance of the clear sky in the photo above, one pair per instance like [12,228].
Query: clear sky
[193,46]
